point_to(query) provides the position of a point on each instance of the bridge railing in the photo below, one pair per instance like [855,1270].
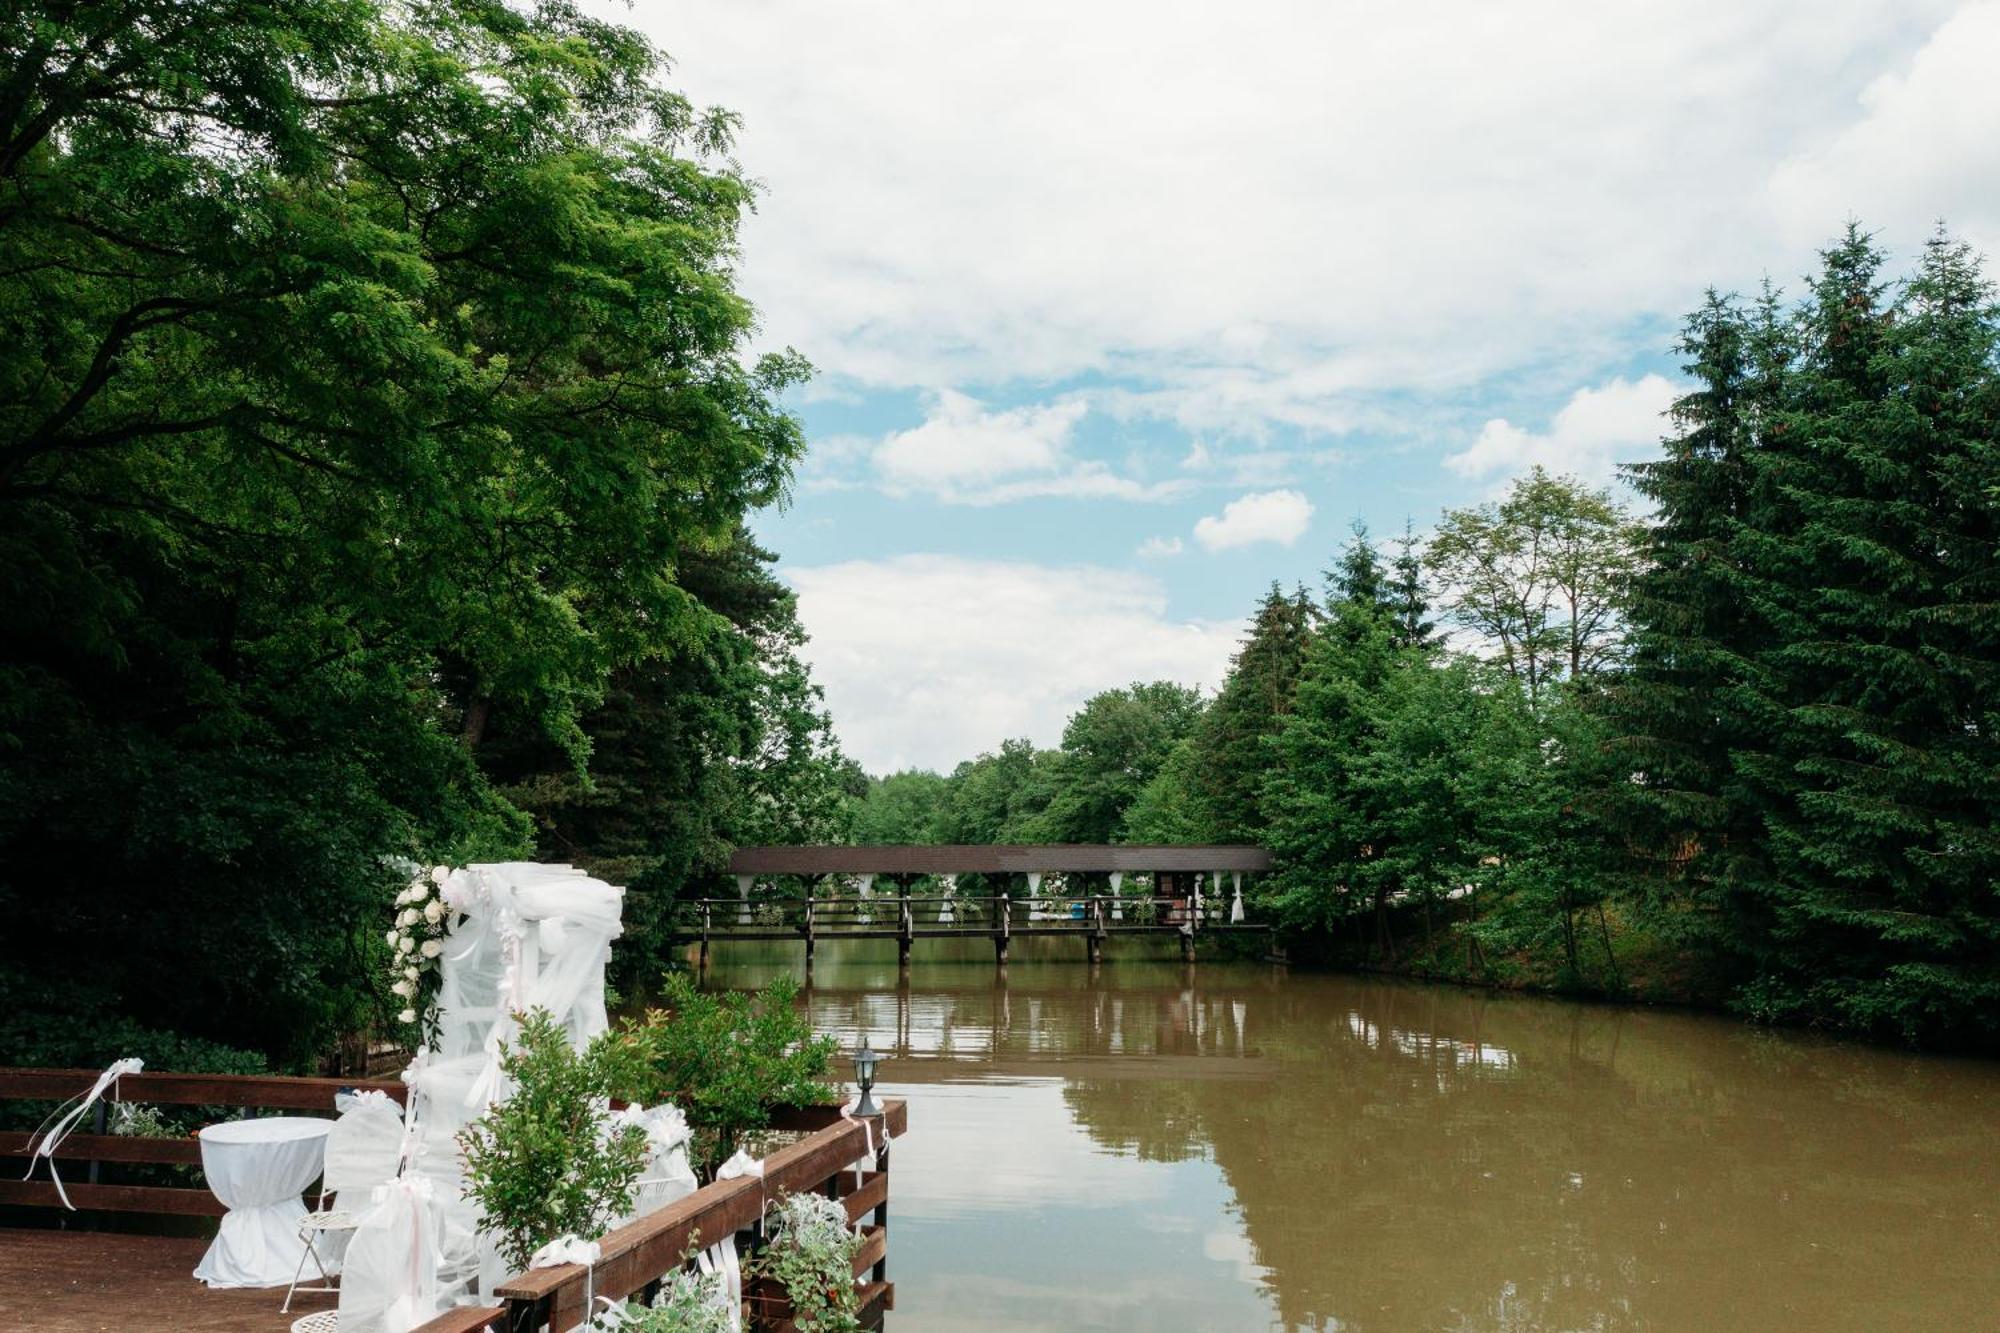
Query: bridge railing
[891,914]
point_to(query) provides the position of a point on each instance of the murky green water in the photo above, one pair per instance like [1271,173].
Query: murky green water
[1235,1147]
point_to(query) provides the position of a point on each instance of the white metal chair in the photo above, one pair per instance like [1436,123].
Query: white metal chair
[363,1149]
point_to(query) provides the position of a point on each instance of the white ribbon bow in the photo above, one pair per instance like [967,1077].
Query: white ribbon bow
[570,1249]
[62,1121]
[566,1249]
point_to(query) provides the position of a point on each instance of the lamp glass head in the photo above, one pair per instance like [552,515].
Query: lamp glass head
[864,1075]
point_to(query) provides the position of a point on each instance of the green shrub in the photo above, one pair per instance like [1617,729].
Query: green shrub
[546,1162]
[725,1060]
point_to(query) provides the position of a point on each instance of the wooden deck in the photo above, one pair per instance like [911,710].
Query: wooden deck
[99,1282]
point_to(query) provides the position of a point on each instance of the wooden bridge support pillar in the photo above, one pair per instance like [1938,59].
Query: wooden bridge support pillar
[1095,944]
[1187,946]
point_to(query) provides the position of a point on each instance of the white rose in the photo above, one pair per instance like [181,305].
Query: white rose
[404,944]
[411,973]
[433,911]
[405,989]
[407,1016]
[439,874]
[393,937]
[432,948]
[409,916]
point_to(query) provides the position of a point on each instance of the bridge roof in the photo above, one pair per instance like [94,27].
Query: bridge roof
[956,859]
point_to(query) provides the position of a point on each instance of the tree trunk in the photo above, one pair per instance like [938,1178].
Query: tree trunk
[476,713]
[1604,928]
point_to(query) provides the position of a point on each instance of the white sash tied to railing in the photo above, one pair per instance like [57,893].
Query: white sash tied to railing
[570,1249]
[62,1121]
[721,1256]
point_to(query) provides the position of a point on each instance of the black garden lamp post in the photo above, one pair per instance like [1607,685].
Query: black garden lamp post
[864,1075]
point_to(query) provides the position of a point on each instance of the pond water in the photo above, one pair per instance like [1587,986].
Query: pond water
[1235,1146]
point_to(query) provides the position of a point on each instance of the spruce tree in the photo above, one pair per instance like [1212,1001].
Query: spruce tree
[1320,825]
[1676,716]
[1877,755]
[1358,579]
[1408,599]
[1230,748]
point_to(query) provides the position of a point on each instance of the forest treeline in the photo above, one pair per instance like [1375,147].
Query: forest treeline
[1741,750]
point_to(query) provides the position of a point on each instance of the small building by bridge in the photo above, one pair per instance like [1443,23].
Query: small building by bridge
[1087,890]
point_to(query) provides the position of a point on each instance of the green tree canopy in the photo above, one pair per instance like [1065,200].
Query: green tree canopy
[1538,577]
[369,369]
[1113,746]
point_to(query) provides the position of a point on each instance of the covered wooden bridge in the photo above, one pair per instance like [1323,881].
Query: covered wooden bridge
[1088,890]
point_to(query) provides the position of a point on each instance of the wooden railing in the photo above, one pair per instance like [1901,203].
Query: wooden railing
[637,1256]
[244,1094]
[633,1258]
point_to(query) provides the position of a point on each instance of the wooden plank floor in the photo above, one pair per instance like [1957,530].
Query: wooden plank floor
[94,1282]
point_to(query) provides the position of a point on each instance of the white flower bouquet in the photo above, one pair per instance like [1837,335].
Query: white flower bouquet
[416,945]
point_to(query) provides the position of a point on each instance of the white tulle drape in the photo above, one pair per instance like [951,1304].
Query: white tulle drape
[523,936]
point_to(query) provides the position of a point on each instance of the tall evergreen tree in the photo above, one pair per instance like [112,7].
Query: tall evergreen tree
[1231,748]
[1317,826]
[1358,579]
[1877,754]
[1409,599]
[1677,716]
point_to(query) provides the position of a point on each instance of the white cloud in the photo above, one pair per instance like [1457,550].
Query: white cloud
[1617,422]
[930,659]
[1924,147]
[1261,213]
[1262,516]
[1158,548]
[965,453]
[962,443]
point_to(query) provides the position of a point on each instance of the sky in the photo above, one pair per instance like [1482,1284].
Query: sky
[1121,311]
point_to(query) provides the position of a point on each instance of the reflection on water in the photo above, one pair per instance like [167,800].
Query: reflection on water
[1234,1147]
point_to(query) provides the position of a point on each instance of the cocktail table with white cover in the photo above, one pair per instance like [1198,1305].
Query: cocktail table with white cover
[259,1168]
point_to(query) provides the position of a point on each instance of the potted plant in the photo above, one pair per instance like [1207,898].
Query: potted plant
[810,1258]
